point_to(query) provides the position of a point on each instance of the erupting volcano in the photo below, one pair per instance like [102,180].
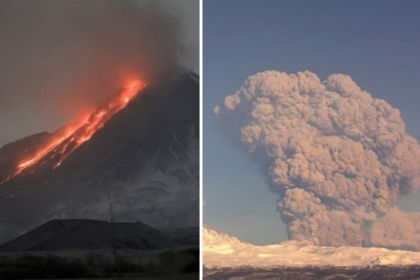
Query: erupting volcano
[64,141]
[139,150]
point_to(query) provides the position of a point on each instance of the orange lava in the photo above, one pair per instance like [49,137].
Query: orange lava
[69,138]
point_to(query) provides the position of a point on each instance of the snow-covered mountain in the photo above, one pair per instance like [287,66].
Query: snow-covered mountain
[213,237]
[142,165]
[222,250]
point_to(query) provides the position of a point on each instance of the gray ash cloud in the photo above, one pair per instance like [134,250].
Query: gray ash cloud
[338,158]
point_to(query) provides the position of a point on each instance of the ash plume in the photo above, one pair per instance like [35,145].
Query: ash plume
[58,58]
[338,158]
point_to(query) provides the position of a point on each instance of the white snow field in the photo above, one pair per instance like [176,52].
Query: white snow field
[222,250]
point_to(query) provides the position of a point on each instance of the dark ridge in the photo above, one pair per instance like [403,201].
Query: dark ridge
[89,235]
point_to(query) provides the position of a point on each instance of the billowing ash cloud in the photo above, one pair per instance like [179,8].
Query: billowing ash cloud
[338,158]
[60,57]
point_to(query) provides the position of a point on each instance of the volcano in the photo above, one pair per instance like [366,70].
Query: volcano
[134,159]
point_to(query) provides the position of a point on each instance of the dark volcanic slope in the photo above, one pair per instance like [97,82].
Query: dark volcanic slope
[89,235]
[145,159]
[12,153]
[131,138]
[382,272]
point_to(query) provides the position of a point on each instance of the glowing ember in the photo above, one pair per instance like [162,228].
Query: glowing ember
[66,140]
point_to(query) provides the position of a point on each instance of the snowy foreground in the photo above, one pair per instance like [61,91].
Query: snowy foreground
[221,250]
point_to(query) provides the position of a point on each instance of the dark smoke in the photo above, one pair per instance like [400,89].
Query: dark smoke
[60,57]
[338,158]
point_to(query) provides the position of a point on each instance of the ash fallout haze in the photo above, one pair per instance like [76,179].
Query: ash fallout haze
[61,58]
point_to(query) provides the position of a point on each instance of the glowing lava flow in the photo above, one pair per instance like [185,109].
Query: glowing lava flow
[69,138]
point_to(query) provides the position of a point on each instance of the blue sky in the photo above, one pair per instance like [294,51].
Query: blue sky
[377,43]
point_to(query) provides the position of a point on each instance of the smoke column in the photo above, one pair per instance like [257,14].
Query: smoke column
[58,58]
[338,158]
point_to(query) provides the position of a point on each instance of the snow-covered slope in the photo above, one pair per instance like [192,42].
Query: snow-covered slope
[222,250]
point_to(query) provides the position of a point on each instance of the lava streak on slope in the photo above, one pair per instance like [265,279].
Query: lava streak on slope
[65,140]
